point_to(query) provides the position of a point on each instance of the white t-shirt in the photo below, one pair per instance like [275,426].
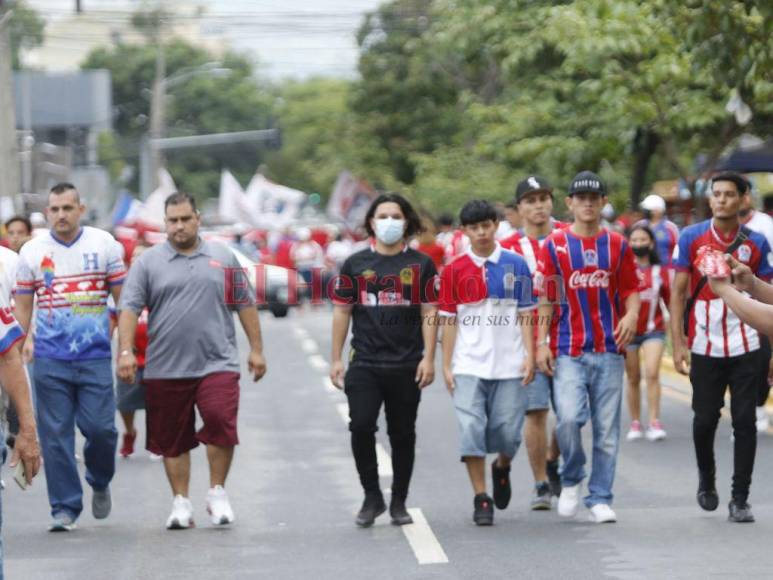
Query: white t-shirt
[762,223]
[9,262]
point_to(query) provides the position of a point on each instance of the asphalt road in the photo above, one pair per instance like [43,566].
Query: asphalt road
[295,492]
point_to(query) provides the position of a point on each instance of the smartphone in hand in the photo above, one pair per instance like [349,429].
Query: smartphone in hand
[18,475]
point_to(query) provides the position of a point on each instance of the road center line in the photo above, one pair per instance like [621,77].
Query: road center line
[422,540]
[318,362]
[309,345]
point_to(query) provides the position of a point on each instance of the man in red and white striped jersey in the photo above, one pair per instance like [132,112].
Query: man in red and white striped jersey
[724,350]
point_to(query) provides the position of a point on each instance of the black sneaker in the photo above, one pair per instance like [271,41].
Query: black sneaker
[399,513]
[554,479]
[740,512]
[372,507]
[502,491]
[707,495]
[542,496]
[484,510]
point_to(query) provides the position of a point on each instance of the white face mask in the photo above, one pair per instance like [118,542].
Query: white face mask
[389,230]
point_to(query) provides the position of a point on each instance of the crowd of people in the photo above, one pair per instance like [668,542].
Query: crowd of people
[534,314]
[530,314]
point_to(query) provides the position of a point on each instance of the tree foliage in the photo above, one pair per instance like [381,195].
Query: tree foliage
[199,105]
[26,29]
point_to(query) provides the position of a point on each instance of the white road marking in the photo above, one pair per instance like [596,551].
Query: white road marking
[318,362]
[329,386]
[423,542]
[309,345]
[343,410]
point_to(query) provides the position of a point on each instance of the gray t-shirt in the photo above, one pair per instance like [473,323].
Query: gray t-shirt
[190,326]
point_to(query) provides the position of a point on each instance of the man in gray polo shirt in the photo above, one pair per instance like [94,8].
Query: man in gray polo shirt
[192,359]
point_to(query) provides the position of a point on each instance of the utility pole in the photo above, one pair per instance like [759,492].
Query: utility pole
[9,158]
[158,100]
[78,7]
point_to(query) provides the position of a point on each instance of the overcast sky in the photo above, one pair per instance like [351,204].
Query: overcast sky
[296,38]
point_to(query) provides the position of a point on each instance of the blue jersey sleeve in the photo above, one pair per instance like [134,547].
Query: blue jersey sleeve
[765,268]
[682,259]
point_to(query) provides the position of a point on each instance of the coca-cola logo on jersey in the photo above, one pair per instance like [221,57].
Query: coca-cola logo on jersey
[597,279]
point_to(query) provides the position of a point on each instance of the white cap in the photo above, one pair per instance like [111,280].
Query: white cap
[653,203]
[608,212]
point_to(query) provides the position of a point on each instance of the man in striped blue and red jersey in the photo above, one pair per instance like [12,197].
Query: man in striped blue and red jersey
[723,350]
[589,274]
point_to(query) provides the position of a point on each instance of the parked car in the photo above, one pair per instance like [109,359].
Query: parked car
[273,283]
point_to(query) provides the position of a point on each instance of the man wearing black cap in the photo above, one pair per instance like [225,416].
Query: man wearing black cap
[534,199]
[588,273]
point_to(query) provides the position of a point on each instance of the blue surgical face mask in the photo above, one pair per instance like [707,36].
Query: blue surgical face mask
[389,230]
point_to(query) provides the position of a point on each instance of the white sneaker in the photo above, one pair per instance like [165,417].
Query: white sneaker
[763,421]
[181,517]
[601,513]
[154,457]
[569,501]
[655,431]
[218,506]
[634,432]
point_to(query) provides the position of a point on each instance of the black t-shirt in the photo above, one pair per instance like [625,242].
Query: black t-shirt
[386,293]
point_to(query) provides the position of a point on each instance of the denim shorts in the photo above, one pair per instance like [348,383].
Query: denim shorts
[490,415]
[539,392]
[640,339]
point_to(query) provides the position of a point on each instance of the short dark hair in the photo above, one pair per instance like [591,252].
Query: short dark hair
[476,211]
[445,219]
[20,218]
[512,204]
[412,220]
[64,187]
[741,183]
[180,197]
[654,256]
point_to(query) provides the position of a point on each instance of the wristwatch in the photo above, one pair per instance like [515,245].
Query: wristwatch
[544,342]
[125,352]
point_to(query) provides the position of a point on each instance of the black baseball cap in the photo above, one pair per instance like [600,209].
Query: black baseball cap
[587,182]
[530,185]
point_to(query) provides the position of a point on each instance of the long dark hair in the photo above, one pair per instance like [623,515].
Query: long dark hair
[412,220]
[654,256]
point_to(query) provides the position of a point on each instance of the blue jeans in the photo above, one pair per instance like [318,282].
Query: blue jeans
[490,415]
[70,393]
[589,387]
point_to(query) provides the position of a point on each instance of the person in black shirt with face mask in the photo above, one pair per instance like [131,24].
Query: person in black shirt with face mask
[387,292]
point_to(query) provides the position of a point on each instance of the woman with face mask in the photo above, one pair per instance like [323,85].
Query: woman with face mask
[654,291]
[387,293]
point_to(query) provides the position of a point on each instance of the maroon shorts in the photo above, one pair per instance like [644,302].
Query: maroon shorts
[171,418]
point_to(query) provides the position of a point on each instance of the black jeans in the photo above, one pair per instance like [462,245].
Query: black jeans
[366,389]
[710,377]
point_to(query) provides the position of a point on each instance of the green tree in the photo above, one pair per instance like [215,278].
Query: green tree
[199,105]
[26,29]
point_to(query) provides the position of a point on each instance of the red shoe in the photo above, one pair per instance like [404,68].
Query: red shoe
[127,448]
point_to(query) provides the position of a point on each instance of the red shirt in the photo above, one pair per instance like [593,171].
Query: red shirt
[434,251]
[654,290]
